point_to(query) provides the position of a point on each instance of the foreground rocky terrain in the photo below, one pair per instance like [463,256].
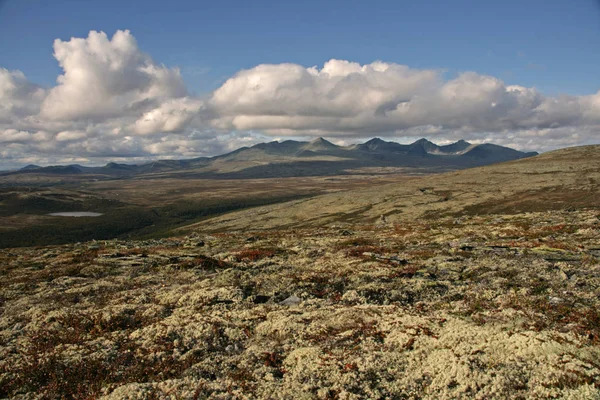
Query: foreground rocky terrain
[487,292]
[485,307]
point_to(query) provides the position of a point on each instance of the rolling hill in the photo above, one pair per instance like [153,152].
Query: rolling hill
[295,158]
[555,180]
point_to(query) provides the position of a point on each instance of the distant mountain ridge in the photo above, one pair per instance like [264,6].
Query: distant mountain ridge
[298,158]
[560,180]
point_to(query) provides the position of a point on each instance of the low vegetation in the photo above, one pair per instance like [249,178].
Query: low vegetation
[490,306]
[144,208]
[473,284]
[119,221]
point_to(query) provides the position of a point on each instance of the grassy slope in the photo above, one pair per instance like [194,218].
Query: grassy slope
[556,180]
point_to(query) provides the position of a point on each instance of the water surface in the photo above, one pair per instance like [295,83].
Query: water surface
[76,214]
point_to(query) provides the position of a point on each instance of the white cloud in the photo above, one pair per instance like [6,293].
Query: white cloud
[113,102]
[15,136]
[107,78]
[347,99]
[70,135]
[171,116]
[109,93]
[19,98]
[341,91]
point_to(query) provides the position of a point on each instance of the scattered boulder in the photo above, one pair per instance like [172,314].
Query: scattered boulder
[291,301]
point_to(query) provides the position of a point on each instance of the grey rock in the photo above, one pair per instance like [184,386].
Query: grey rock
[291,301]
[555,300]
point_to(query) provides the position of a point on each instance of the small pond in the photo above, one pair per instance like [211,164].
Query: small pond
[76,214]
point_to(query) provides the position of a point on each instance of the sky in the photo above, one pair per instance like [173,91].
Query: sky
[129,81]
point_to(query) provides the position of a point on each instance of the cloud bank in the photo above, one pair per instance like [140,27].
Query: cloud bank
[349,99]
[113,101]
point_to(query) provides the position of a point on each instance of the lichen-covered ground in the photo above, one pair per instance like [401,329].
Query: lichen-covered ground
[495,306]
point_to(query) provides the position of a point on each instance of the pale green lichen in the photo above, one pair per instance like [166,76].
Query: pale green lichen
[383,313]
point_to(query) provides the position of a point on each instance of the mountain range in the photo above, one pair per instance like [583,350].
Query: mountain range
[298,158]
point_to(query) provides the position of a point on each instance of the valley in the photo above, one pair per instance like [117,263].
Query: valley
[150,200]
[138,208]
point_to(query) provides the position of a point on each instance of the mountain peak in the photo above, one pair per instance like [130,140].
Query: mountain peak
[319,144]
[114,165]
[456,147]
[422,147]
[380,145]
[321,140]
[375,141]
[495,153]
[423,141]
[30,166]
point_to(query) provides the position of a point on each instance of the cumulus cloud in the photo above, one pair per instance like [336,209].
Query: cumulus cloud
[113,101]
[171,116]
[107,78]
[70,135]
[289,96]
[109,93]
[19,98]
[348,99]
[15,136]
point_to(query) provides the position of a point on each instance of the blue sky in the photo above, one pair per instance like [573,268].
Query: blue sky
[553,45]
[92,82]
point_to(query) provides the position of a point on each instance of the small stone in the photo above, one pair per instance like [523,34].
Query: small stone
[555,300]
[291,301]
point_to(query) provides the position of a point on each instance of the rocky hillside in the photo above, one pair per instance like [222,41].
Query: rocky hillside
[494,306]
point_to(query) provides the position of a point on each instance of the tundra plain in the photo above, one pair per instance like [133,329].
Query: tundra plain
[481,283]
